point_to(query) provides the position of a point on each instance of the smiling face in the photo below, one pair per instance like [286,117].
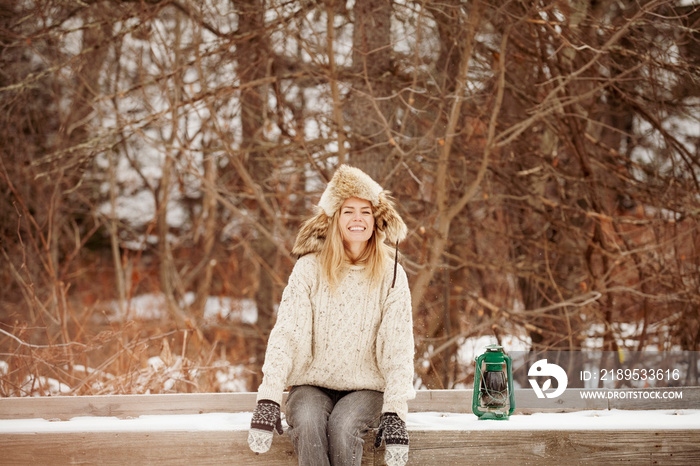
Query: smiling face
[356,223]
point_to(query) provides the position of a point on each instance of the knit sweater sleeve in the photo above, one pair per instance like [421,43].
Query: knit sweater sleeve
[395,347]
[290,339]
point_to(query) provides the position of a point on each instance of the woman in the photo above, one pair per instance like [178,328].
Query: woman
[343,339]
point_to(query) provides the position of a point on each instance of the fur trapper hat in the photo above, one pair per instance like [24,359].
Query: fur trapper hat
[350,182]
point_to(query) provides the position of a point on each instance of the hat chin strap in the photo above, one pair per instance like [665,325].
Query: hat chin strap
[396,263]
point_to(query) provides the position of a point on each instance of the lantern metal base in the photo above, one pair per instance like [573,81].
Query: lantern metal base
[494,415]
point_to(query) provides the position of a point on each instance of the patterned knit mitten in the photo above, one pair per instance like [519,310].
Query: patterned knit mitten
[266,418]
[393,430]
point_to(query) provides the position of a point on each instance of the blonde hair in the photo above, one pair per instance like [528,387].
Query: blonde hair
[333,255]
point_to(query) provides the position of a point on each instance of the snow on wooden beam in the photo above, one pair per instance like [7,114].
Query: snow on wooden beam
[453,401]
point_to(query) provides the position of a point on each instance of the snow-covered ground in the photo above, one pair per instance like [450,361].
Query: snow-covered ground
[153,306]
[614,420]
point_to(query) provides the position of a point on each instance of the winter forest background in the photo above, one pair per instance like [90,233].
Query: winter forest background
[158,157]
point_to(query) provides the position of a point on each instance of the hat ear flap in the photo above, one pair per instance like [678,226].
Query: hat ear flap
[388,220]
[312,234]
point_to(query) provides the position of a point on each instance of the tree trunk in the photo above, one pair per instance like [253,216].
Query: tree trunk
[369,110]
[251,55]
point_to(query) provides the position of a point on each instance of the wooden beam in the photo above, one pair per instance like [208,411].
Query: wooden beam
[124,406]
[138,448]
[555,447]
[221,434]
[427,448]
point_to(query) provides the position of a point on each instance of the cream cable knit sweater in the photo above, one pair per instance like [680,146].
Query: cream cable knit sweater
[359,337]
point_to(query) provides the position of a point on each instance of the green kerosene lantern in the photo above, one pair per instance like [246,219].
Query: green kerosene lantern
[494,397]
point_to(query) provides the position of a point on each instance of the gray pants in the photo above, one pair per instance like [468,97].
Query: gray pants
[326,426]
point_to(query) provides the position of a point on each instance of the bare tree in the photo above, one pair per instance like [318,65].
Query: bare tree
[543,154]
